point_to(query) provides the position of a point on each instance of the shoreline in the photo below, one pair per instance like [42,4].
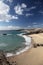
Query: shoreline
[34,56]
[27,43]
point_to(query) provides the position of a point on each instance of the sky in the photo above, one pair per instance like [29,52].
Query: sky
[17,14]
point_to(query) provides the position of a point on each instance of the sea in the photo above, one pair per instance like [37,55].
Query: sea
[13,42]
[10,40]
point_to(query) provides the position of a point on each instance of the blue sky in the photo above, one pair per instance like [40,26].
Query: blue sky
[21,14]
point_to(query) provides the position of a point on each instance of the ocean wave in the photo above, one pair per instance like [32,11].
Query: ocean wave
[23,50]
[21,34]
[27,38]
[9,54]
[18,52]
[27,43]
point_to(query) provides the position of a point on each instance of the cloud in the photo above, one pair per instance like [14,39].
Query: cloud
[7,18]
[34,23]
[10,1]
[35,26]
[29,26]
[4,13]
[14,27]
[41,12]
[4,9]
[1,0]
[10,27]
[19,9]
[29,14]
[31,8]
[23,5]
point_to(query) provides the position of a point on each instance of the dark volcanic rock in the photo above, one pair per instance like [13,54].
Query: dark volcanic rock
[3,60]
[4,34]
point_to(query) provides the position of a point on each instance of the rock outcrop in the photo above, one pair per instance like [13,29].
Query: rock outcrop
[3,60]
[33,31]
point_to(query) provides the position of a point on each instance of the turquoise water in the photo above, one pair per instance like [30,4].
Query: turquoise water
[10,41]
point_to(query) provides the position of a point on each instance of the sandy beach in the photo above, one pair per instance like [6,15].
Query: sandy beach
[33,56]
[37,38]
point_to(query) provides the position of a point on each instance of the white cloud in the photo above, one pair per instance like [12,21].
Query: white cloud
[13,27]
[35,26]
[4,13]
[29,14]
[7,18]
[1,0]
[34,23]
[31,8]
[10,1]
[9,27]
[29,26]
[4,9]
[14,17]
[23,5]
[19,9]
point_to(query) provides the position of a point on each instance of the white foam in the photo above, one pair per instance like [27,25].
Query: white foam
[20,34]
[27,38]
[9,54]
[23,50]
[27,43]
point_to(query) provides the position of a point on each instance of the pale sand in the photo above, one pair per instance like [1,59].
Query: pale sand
[34,56]
[37,38]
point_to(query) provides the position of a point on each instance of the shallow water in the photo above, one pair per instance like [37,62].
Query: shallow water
[10,41]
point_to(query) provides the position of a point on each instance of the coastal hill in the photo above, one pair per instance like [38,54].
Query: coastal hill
[32,31]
